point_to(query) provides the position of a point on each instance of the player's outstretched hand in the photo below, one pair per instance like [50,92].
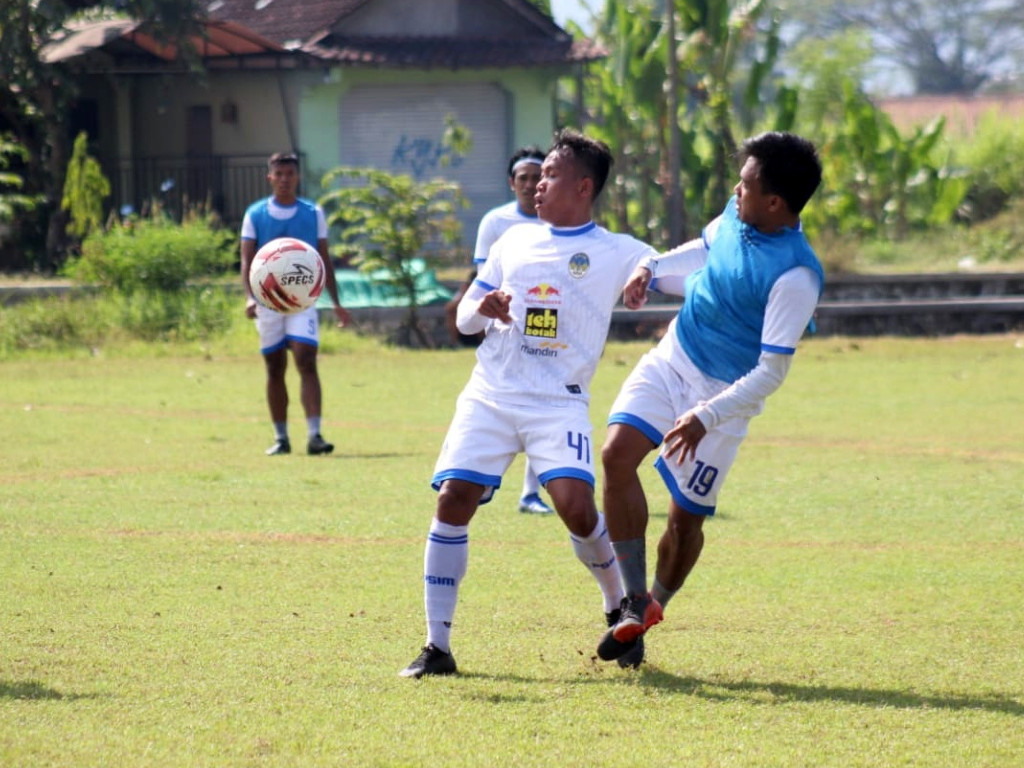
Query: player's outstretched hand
[634,293]
[496,305]
[342,316]
[684,437]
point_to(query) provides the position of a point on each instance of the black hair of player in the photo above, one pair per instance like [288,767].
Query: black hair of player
[531,151]
[283,158]
[788,166]
[592,155]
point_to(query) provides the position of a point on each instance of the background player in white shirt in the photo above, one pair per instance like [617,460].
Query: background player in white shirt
[523,176]
[545,298]
[751,285]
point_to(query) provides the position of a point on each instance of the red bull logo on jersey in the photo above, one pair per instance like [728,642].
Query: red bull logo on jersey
[542,322]
[543,294]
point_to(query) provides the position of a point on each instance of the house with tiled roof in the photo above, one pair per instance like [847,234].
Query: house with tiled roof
[341,82]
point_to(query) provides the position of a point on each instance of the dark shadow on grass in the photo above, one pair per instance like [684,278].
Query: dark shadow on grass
[765,693]
[776,692]
[33,690]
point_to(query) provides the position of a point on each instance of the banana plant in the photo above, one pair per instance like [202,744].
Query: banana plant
[726,52]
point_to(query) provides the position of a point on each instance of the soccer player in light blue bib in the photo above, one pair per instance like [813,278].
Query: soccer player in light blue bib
[751,284]
[285,214]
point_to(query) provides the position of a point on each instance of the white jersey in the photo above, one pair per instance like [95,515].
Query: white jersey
[564,284]
[494,224]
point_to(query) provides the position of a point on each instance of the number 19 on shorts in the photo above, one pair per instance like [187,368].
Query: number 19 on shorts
[702,479]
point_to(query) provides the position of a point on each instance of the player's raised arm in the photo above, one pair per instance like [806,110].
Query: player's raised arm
[480,307]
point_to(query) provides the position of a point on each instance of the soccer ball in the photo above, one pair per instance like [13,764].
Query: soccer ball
[287,275]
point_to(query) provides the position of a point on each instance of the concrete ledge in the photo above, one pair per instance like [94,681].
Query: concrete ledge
[994,304]
[918,306]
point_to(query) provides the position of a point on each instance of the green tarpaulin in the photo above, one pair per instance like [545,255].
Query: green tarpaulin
[359,290]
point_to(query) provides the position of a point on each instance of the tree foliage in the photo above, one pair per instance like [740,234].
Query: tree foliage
[942,46]
[389,224]
[37,95]
[726,52]
[12,199]
[878,181]
[85,189]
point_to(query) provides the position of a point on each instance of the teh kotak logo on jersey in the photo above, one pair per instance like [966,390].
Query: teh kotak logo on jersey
[541,322]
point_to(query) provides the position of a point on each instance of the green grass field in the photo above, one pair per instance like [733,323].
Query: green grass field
[172,597]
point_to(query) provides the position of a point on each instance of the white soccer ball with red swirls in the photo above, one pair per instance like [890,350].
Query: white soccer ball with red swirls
[287,275]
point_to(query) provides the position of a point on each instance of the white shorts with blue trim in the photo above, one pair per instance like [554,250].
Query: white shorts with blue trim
[276,329]
[485,436]
[662,387]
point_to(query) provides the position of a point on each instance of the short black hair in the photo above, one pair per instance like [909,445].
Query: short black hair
[592,155]
[283,158]
[532,151]
[788,166]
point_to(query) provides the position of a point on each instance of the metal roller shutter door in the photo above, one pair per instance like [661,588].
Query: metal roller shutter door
[398,128]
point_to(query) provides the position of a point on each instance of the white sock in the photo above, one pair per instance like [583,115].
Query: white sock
[313,425]
[531,483]
[595,552]
[444,564]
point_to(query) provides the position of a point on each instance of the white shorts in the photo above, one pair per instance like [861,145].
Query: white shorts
[276,330]
[662,387]
[484,437]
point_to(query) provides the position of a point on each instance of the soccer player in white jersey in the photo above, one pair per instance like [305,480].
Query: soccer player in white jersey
[523,176]
[751,284]
[545,297]
[285,214]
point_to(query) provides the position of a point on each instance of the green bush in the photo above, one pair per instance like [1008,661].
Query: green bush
[165,278]
[154,255]
[55,324]
[993,159]
[194,314]
[94,321]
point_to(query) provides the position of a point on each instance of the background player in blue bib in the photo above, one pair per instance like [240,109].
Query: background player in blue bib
[284,214]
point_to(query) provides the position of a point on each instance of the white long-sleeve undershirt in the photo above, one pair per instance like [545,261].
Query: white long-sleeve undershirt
[467,316]
[670,269]
[790,307]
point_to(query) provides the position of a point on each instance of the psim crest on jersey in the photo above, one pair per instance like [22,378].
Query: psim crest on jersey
[579,264]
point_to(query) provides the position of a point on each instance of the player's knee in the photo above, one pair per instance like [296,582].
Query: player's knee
[683,525]
[276,366]
[457,501]
[305,363]
[618,460]
[577,510]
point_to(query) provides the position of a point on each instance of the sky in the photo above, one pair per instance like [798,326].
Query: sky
[576,10]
